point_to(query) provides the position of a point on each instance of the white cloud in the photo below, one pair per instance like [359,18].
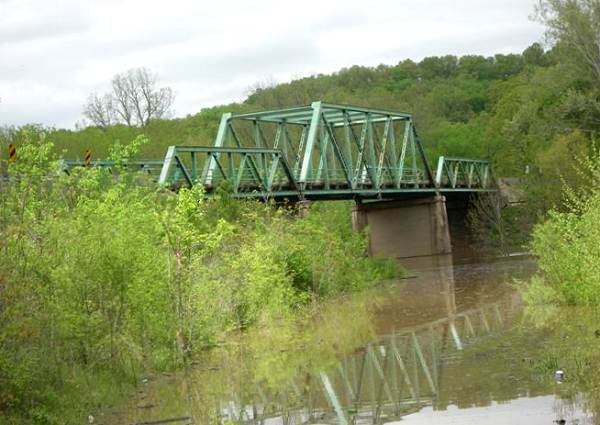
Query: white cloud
[54,53]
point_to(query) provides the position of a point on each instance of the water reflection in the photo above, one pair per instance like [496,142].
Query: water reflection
[452,337]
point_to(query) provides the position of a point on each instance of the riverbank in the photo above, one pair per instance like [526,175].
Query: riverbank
[104,279]
[391,352]
[454,343]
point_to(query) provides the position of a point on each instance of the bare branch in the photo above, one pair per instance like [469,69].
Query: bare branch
[99,109]
[135,100]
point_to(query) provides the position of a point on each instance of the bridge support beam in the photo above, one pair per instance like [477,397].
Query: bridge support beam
[405,228]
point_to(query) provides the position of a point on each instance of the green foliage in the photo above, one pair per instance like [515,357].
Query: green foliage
[573,25]
[568,245]
[104,277]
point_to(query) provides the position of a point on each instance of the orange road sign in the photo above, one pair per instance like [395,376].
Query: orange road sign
[87,157]
[12,153]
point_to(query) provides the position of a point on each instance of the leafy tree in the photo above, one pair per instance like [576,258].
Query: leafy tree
[438,67]
[477,67]
[575,26]
[534,55]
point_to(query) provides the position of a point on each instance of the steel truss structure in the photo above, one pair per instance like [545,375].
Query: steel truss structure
[321,151]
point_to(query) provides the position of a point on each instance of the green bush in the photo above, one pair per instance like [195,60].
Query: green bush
[105,276]
[568,245]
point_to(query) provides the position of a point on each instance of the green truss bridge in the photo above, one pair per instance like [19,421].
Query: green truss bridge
[316,152]
[328,152]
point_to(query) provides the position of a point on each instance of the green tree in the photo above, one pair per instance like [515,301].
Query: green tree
[575,26]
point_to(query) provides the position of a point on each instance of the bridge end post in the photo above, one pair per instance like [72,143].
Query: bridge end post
[405,228]
[163,178]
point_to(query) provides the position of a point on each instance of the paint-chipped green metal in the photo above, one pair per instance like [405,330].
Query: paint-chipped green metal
[320,151]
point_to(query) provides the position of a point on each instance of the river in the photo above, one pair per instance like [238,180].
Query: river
[454,344]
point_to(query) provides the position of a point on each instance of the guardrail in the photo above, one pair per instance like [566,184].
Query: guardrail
[150,166]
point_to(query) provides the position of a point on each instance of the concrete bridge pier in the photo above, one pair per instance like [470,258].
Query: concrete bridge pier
[405,228]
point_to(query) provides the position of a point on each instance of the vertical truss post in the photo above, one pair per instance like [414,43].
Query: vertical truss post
[394,154]
[455,172]
[413,155]
[486,173]
[310,143]
[372,162]
[371,374]
[394,367]
[484,320]
[298,158]
[455,336]
[381,372]
[424,366]
[220,141]
[434,356]
[382,152]
[323,171]
[337,152]
[469,325]
[278,136]
[194,166]
[440,172]
[230,171]
[344,375]
[402,366]
[163,179]
[405,141]
[471,169]
[333,399]
[348,146]
[415,369]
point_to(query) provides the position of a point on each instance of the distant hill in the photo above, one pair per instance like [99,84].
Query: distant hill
[503,107]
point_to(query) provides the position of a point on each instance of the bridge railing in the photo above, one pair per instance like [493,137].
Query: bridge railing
[462,173]
[260,172]
[149,166]
[248,170]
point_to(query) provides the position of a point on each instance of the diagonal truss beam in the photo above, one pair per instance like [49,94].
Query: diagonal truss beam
[320,151]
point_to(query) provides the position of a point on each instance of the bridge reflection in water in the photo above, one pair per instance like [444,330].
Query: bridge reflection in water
[448,337]
[397,372]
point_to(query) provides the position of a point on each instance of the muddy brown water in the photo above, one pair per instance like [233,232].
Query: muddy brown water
[453,345]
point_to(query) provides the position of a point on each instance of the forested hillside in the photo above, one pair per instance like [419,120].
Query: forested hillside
[527,112]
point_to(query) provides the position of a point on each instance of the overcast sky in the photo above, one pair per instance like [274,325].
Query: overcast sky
[54,53]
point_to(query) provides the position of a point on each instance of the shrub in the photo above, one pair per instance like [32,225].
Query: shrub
[568,245]
[105,276]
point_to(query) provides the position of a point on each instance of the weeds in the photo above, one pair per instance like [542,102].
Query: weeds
[103,278]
